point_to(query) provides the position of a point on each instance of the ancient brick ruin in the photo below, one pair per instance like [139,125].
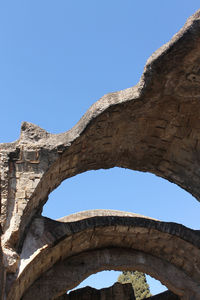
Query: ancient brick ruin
[116,292]
[151,127]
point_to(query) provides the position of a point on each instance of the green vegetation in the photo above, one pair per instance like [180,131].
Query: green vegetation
[138,281]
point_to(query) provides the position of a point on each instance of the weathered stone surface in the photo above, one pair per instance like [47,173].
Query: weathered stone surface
[2,269]
[125,291]
[115,292]
[164,296]
[152,127]
[57,256]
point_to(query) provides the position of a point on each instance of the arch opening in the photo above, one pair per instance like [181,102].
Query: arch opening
[124,190]
[106,279]
[68,274]
[172,248]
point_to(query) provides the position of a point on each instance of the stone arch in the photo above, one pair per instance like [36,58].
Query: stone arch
[67,274]
[50,243]
[152,127]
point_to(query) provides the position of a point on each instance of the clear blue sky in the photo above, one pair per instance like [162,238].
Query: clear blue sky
[59,57]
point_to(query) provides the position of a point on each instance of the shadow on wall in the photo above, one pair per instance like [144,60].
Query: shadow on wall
[115,292]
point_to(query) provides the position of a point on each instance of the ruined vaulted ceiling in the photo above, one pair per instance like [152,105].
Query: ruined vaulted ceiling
[153,126]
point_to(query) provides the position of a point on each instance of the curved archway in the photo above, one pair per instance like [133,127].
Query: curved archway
[124,190]
[150,127]
[49,241]
[67,274]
